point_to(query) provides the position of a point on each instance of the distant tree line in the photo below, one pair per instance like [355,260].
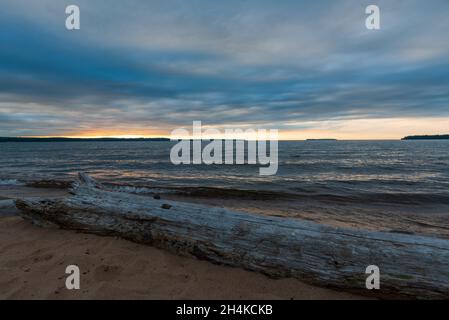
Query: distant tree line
[57,139]
[428,137]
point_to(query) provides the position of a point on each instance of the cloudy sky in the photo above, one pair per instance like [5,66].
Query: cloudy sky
[143,68]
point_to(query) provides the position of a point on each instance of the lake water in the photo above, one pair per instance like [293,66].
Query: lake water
[400,175]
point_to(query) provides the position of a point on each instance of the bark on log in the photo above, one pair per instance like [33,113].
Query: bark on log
[410,265]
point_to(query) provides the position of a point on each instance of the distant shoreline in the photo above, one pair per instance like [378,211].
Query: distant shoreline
[59,139]
[428,137]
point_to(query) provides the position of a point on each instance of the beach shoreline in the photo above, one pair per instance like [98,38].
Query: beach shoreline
[33,262]
[30,252]
[264,203]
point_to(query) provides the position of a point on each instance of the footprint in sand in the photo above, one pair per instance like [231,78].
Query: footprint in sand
[106,272]
[42,258]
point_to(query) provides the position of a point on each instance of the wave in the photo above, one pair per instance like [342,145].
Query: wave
[371,198]
[324,194]
[138,190]
[363,198]
[50,184]
[11,182]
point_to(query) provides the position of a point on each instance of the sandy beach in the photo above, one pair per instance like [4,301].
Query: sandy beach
[33,262]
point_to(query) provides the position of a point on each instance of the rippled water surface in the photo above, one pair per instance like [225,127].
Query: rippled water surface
[413,173]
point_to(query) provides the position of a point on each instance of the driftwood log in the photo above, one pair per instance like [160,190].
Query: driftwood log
[410,265]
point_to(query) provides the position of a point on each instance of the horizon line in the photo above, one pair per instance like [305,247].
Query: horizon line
[168,138]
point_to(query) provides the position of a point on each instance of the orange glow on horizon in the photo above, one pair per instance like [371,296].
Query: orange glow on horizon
[357,129]
[122,136]
[110,133]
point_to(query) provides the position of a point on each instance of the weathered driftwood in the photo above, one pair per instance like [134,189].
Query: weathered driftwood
[410,266]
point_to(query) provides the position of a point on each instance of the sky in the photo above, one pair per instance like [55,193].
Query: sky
[310,69]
